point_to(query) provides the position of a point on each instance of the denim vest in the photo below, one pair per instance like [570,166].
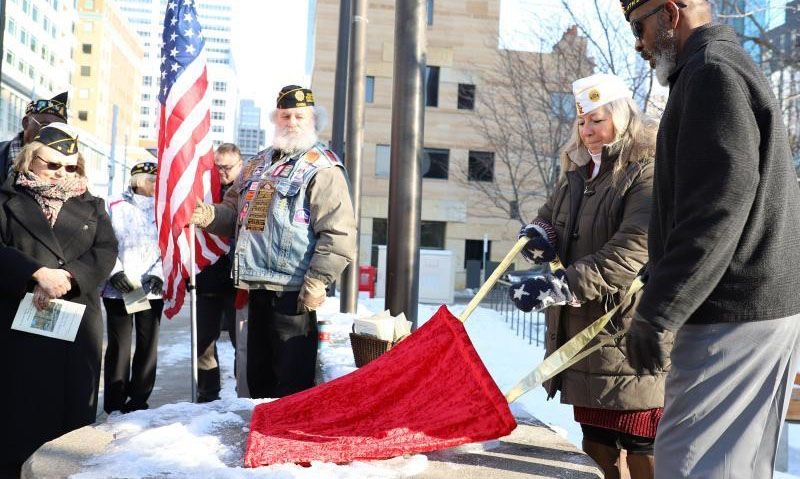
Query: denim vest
[275,239]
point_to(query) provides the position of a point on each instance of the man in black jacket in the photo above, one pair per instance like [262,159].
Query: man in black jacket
[216,294]
[724,245]
[38,113]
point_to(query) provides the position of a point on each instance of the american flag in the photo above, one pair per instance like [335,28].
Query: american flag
[186,170]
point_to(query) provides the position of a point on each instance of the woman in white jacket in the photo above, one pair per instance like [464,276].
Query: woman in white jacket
[127,386]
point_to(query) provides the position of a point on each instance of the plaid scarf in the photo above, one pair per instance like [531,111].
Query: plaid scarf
[14,147]
[51,197]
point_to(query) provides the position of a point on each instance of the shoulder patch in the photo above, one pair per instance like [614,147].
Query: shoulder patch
[332,156]
[311,157]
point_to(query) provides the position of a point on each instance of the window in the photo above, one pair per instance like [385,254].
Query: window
[217,129]
[145,110]
[12,27]
[432,234]
[23,36]
[147,80]
[431,86]
[466,96]
[382,162]
[473,250]
[86,71]
[481,166]
[220,86]
[9,57]
[34,45]
[88,4]
[435,163]
[218,102]
[83,115]
[26,6]
[35,13]
[429,11]
[369,90]
[562,106]
[217,115]
[86,48]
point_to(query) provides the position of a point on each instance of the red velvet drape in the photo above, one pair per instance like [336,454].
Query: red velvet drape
[429,392]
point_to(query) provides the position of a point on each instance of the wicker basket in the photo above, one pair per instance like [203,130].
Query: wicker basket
[366,348]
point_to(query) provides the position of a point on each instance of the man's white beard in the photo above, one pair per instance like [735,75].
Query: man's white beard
[665,55]
[293,143]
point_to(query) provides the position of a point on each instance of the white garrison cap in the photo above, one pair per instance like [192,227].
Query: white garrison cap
[595,91]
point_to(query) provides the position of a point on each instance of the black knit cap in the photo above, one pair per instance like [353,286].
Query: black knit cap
[294,96]
[60,137]
[630,5]
[145,167]
[54,106]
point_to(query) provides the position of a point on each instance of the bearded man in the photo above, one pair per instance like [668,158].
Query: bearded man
[291,213]
[723,240]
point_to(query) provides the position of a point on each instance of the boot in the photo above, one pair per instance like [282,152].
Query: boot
[606,457]
[641,466]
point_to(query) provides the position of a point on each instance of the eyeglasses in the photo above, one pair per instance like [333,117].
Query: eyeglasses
[53,166]
[226,168]
[41,125]
[636,25]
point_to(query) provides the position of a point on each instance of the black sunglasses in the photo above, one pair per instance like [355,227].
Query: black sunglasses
[636,25]
[53,166]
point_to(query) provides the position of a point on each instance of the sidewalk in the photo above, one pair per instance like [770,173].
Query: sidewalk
[174,371]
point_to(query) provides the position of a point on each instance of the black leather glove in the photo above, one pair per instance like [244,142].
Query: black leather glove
[646,346]
[644,273]
[540,292]
[154,284]
[541,247]
[121,283]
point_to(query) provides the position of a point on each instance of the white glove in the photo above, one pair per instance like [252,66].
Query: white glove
[312,294]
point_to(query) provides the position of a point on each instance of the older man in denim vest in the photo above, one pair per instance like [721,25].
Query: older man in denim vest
[291,213]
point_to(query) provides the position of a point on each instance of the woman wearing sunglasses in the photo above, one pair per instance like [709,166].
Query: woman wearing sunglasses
[56,241]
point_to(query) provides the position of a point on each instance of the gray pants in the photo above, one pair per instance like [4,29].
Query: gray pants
[726,398]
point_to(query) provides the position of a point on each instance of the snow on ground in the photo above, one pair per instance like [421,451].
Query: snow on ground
[180,438]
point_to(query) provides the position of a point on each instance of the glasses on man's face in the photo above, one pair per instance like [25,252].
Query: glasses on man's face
[226,168]
[636,25]
[53,166]
[39,122]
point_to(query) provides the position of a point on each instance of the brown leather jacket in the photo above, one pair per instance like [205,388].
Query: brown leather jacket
[602,241]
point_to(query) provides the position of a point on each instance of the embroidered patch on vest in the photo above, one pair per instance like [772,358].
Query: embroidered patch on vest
[332,156]
[302,216]
[311,157]
[259,208]
[283,171]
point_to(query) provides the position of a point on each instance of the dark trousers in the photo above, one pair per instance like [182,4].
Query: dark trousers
[121,379]
[281,345]
[213,311]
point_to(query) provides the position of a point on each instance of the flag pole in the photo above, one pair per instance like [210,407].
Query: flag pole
[193,310]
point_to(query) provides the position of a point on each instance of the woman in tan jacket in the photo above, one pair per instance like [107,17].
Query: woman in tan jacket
[596,222]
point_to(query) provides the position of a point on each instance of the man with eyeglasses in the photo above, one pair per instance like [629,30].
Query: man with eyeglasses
[38,113]
[216,294]
[724,242]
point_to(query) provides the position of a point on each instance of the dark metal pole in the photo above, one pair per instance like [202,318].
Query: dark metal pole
[405,184]
[2,36]
[355,139]
[340,87]
[112,161]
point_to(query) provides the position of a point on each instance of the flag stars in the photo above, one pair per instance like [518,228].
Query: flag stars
[187,17]
[520,292]
[173,53]
[175,67]
[173,36]
[189,33]
[172,5]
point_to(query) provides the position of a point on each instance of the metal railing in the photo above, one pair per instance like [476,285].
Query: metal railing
[530,326]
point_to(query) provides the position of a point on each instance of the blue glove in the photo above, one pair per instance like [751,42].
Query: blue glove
[541,247]
[541,292]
